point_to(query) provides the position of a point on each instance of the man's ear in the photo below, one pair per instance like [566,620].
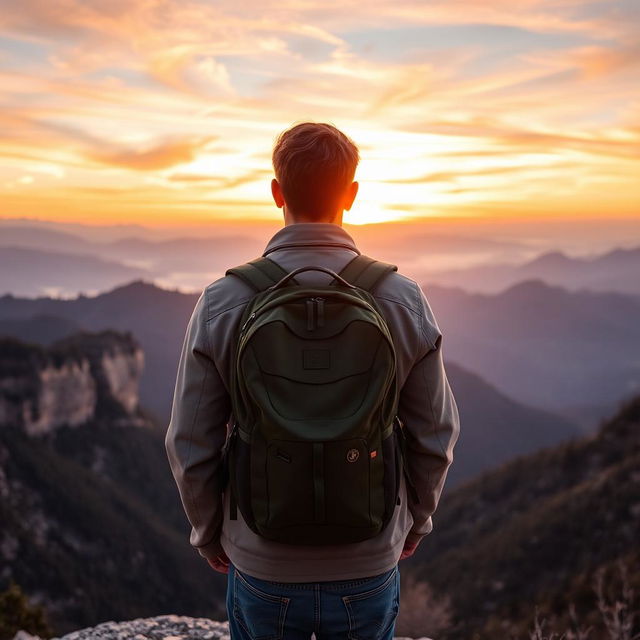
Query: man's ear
[276,192]
[351,194]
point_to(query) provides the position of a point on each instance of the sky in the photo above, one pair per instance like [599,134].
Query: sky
[164,112]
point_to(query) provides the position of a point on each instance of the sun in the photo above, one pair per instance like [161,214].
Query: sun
[370,213]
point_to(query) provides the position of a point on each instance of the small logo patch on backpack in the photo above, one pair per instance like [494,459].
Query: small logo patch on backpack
[316,358]
[352,455]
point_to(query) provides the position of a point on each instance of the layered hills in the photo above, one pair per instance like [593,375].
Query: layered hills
[615,270]
[496,426]
[535,533]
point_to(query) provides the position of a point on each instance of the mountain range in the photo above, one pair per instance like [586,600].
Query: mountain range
[41,261]
[575,352]
[496,426]
[537,353]
[93,529]
[615,270]
[157,317]
[535,533]
[536,343]
[34,272]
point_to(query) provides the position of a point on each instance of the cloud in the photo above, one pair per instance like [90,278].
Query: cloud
[159,156]
[453,176]
[146,86]
[188,69]
[543,16]
[25,135]
[596,62]
[522,140]
[415,83]
[221,181]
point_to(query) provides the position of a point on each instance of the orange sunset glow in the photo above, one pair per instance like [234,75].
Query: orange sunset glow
[161,112]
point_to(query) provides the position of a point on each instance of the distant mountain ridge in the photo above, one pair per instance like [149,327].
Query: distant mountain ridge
[535,342]
[189,261]
[37,261]
[39,329]
[495,428]
[36,272]
[538,343]
[156,317]
[614,271]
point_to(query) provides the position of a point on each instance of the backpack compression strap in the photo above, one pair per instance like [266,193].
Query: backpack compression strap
[365,272]
[259,273]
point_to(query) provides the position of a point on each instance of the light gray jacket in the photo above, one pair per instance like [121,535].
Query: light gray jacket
[201,415]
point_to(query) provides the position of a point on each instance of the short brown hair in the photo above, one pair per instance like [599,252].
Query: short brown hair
[314,162]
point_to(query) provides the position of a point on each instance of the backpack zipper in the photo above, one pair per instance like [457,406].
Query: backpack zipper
[315,313]
[310,309]
[319,312]
[247,322]
[266,307]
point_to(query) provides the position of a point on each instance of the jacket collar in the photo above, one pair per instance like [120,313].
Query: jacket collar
[311,234]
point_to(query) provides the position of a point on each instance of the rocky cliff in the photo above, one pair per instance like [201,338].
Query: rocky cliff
[157,628]
[91,525]
[70,383]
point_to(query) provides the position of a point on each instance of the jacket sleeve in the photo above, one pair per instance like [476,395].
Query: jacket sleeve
[197,433]
[429,412]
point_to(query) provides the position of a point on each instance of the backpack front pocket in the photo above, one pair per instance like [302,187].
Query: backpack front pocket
[318,483]
[348,464]
[290,484]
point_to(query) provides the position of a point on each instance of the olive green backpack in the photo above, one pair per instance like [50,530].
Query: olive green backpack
[314,456]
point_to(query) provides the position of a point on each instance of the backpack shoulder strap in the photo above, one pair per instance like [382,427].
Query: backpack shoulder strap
[259,273]
[365,272]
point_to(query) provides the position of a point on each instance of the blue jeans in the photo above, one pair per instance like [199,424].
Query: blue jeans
[359,609]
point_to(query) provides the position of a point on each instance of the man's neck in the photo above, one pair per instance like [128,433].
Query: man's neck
[294,219]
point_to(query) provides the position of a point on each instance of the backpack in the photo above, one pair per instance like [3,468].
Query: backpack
[314,454]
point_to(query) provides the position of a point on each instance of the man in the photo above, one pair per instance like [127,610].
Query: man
[286,591]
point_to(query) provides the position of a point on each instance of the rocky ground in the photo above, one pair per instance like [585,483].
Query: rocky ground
[168,627]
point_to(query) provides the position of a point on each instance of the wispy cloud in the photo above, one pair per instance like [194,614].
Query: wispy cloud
[219,181]
[461,105]
[160,156]
[453,176]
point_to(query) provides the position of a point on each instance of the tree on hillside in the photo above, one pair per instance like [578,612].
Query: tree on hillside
[17,613]
[617,608]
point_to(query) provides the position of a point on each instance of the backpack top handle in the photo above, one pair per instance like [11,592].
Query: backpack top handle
[259,273]
[365,272]
[283,281]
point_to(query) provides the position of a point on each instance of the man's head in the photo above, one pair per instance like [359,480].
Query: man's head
[314,165]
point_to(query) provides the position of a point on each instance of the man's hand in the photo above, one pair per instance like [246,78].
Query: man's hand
[410,545]
[220,563]
[408,550]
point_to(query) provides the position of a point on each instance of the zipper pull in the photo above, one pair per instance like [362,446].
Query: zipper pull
[310,306]
[247,322]
[320,312]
